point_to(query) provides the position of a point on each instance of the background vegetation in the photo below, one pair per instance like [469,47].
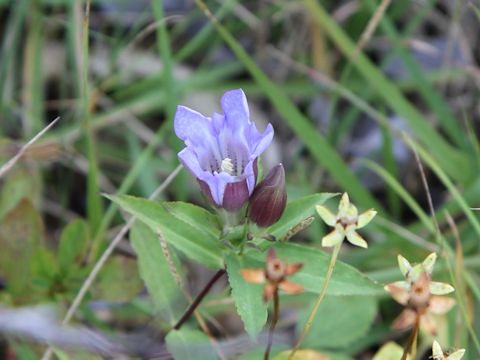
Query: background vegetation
[356,91]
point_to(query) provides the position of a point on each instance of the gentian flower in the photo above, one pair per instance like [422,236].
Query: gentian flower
[222,151]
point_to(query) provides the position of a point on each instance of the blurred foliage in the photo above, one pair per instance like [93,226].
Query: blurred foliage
[344,119]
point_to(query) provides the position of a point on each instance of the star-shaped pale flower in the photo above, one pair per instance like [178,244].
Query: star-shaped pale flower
[413,272]
[346,223]
[419,295]
[438,354]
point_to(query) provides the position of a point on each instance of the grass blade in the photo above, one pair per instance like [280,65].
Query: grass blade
[448,157]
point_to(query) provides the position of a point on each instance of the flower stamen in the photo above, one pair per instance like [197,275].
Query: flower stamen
[227,166]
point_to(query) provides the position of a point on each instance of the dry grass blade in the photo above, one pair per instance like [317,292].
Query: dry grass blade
[461,286]
[371,26]
[9,164]
[427,189]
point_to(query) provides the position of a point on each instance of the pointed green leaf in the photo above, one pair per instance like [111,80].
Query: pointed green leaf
[187,344]
[155,272]
[248,297]
[195,216]
[73,244]
[346,280]
[118,281]
[339,322]
[190,238]
[21,234]
[390,351]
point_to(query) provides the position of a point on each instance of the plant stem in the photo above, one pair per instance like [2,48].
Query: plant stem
[411,346]
[320,298]
[193,306]
[276,310]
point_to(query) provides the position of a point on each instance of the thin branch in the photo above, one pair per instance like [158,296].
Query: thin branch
[193,306]
[427,191]
[9,164]
[276,311]
[371,26]
[411,346]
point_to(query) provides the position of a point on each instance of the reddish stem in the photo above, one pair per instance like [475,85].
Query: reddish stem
[193,306]
[276,309]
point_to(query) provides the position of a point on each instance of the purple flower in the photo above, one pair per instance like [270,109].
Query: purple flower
[222,151]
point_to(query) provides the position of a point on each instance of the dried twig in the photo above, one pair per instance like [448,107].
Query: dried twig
[9,164]
[371,26]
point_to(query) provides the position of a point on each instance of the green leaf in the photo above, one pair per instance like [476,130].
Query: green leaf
[196,216]
[193,240]
[187,344]
[310,355]
[340,321]
[390,351]
[21,183]
[118,280]
[248,297]
[73,244]
[346,280]
[60,354]
[155,272]
[296,211]
[21,233]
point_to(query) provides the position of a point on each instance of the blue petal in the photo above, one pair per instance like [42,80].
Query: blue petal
[217,184]
[191,126]
[218,121]
[263,141]
[250,173]
[235,107]
[190,160]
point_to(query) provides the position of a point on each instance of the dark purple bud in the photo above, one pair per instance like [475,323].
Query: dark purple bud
[269,198]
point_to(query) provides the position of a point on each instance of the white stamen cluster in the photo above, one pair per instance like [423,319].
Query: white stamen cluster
[227,166]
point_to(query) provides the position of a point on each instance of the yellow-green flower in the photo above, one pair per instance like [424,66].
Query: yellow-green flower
[412,273]
[438,354]
[420,295]
[346,223]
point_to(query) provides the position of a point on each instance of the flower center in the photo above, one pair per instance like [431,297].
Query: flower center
[347,221]
[276,270]
[224,155]
[227,166]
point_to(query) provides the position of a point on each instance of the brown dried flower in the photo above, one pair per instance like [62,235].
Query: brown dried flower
[419,295]
[274,276]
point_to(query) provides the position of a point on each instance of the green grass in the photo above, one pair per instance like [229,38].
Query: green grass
[116,136]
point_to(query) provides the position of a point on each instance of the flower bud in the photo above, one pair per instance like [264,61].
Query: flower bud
[269,198]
